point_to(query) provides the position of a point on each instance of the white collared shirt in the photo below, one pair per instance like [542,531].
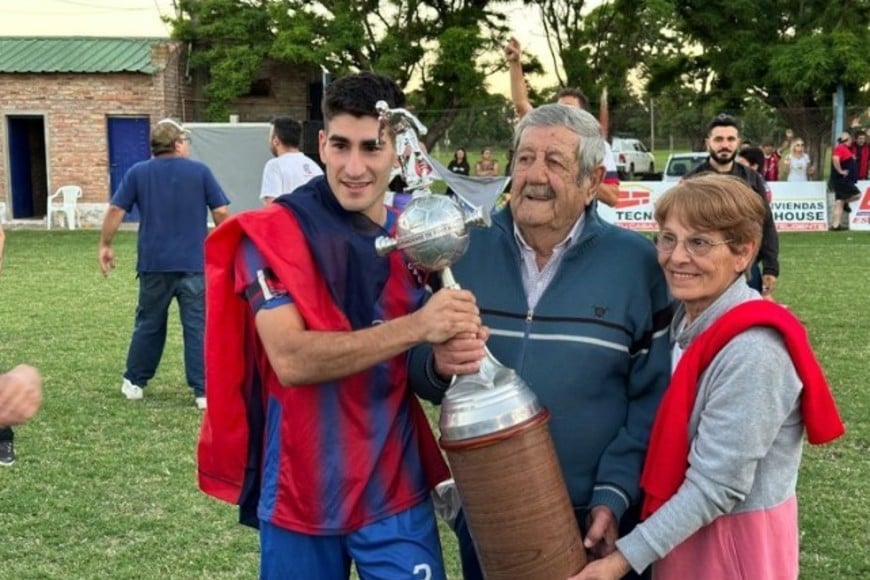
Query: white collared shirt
[535,280]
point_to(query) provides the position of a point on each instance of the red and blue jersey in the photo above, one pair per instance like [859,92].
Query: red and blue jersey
[318,459]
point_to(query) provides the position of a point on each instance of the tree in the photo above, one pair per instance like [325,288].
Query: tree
[487,125]
[790,55]
[230,39]
[605,47]
[441,45]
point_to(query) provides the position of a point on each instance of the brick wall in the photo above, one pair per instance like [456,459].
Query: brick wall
[75,108]
[289,95]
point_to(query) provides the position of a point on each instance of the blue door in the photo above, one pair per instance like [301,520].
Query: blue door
[128,145]
[27,167]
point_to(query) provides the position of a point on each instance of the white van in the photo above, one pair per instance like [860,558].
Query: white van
[680,164]
[632,158]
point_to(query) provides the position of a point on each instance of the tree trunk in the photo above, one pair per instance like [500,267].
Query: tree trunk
[437,129]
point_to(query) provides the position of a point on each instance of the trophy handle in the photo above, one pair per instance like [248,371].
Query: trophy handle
[489,365]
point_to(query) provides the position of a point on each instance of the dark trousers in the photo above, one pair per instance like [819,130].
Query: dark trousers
[755,278]
[156,291]
[6,434]
[471,567]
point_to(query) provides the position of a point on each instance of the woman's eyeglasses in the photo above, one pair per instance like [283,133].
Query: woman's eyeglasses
[696,245]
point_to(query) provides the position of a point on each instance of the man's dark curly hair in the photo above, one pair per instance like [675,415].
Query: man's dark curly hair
[357,95]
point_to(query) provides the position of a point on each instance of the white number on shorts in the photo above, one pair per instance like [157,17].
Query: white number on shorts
[425,569]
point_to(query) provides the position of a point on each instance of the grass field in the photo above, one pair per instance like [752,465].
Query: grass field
[106,488]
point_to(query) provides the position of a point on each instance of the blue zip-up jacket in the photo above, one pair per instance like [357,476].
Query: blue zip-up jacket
[595,349]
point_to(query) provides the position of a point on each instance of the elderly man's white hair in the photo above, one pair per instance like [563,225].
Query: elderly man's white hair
[590,152]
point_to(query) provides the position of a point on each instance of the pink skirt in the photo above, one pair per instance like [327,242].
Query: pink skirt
[754,545]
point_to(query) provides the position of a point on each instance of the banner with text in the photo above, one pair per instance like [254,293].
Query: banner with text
[796,206]
[859,219]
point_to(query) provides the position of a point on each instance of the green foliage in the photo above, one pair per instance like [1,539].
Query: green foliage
[440,44]
[229,39]
[106,488]
[782,52]
[487,125]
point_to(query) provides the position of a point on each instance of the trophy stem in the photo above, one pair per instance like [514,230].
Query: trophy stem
[447,279]
[489,365]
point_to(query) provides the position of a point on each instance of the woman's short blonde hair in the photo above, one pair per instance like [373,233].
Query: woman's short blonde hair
[716,203]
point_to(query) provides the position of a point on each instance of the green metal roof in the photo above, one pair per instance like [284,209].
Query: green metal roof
[76,55]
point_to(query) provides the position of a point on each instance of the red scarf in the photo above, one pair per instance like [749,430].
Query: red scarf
[668,456]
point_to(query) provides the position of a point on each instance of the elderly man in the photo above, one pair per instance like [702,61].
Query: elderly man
[579,308]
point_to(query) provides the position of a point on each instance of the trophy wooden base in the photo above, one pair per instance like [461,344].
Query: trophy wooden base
[516,503]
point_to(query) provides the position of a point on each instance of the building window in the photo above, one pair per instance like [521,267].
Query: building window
[260,88]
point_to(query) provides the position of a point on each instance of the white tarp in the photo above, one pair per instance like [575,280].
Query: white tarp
[236,154]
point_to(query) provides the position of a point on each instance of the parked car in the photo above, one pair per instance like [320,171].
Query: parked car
[679,164]
[632,158]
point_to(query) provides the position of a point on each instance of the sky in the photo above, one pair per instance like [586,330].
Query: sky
[142,18]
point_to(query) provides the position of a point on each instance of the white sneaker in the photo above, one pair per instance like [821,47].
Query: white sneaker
[131,391]
[201,403]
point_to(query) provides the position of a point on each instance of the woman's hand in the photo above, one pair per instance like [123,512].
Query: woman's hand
[612,567]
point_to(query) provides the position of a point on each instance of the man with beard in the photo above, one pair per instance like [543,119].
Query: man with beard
[723,144]
[290,168]
[579,308]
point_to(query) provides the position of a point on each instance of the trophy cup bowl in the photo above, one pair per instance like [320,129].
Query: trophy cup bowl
[432,232]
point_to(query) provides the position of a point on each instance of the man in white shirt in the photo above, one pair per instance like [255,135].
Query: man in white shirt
[290,168]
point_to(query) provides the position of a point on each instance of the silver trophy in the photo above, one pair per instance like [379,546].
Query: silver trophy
[432,230]
[493,428]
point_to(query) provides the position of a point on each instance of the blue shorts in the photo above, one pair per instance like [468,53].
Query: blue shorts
[405,545]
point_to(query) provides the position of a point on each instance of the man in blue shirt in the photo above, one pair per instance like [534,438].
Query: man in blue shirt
[173,194]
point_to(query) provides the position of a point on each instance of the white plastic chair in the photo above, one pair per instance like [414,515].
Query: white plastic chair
[67,205]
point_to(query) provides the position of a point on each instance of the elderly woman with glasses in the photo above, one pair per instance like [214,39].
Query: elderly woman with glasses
[722,466]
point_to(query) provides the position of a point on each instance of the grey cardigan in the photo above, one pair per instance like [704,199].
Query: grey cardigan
[745,434]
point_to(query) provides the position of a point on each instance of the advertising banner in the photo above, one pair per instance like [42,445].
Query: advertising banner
[799,206]
[796,206]
[859,219]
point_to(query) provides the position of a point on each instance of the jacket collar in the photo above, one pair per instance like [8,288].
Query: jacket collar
[593,226]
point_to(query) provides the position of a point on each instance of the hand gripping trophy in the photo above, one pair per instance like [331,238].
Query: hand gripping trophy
[493,428]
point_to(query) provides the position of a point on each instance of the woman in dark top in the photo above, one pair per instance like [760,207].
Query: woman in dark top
[459,164]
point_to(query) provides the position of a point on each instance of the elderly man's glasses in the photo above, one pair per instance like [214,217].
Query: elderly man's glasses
[696,245]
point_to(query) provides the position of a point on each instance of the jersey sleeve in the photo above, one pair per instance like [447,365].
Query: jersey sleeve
[256,281]
[610,174]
